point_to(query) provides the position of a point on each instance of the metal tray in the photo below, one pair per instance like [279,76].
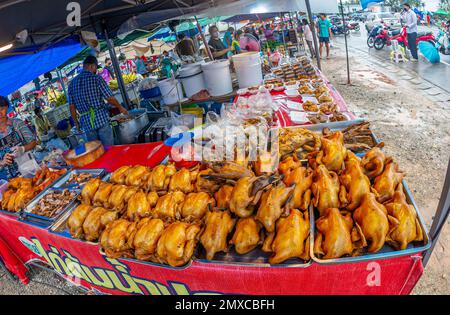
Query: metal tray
[42,220]
[386,251]
[61,183]
[17,214]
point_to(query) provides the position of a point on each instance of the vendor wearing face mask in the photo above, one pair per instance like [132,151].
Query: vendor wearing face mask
[217,47]
[15,139]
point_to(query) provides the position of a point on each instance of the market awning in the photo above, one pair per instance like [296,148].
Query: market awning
[367,3]
[16,71]
[250,17]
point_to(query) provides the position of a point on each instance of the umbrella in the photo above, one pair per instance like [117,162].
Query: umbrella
[248,42]
[430,52]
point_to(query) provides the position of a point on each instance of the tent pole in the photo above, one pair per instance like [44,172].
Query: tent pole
[313,31]
[116,66]
[210,55]
[346,44]
[60,78]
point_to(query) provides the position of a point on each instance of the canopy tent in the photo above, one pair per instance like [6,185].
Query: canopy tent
[250,17]
[16,71]
[442,12]
[367,3]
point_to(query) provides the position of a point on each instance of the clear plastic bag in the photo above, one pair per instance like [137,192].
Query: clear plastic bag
[27,165]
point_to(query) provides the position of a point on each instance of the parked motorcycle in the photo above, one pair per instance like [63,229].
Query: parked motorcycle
[340,29]
[443,42]
[385,37]
[354,26]
[373,34]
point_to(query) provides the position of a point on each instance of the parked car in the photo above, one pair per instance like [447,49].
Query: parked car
[378,18]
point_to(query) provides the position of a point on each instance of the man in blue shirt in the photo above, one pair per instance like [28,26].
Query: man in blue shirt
[324,30]
[87,95]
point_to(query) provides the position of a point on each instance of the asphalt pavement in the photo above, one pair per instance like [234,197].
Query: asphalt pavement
[436,74]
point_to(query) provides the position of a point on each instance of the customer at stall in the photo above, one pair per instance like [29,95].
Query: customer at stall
[308,37]
[16,138]
[140,65]
[87,93]
[324,30]
[41,123]
[217,47]
[411,30]
[185,46]
[110,68]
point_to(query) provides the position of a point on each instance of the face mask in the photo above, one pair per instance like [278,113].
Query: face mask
[215,34]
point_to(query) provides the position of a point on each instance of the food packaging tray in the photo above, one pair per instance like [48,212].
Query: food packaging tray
[386,251]
[42,220]
[62,182]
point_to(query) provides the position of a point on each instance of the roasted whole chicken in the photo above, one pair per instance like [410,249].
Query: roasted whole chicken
[204,184]
[76,220]
[301,177]
[292,238]
[137,176]
[332,153]
[325,188]
[177,243]
[405,226]
[120,175]
[372,218]
[168,206]
[114,239]
[218,225]
[183,181]
[373,162]
[288,165]
[231,170]
[23,196]
[246,194]
[355,185]
[152,198]
[299,141]
[271,207]
[386,183]
[89,190]
[101,197]
[247,235]
[159,178]
[116,199]
[7,196]
[145,238]
[138,207]
[196,205]
[96,221]
[334,234]
[223,196]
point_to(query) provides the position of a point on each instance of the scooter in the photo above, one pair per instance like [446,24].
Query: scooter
[373,34]
[443,42]
[386,37]
[354,26]
[340,29]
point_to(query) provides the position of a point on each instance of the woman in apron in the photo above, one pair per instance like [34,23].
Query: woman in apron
[16,138]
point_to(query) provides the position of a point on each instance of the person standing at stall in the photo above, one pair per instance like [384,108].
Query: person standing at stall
[16,138]
[110,68]
[411,30]
[87,95]
[324,30]
[185,46]
[217,47]
[308,37]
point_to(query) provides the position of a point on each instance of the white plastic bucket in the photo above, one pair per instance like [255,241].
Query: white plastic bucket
[191,77]
[217,77]
[248,69]
[171,91]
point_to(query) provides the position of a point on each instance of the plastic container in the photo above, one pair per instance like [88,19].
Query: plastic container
[248,69]
[150,93]
[171,91]
[191,77]
[217,77]
[57,114]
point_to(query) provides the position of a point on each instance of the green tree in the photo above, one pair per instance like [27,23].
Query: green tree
[444,5]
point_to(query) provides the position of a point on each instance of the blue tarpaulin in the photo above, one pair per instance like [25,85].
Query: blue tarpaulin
[165,32]
[366,3]
[16,71]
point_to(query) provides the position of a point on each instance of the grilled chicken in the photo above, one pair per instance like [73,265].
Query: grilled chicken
[405,226]
[355,185]
[177,243]
[247,235]
[23,197]
[196,205]
[137,176]
[373,162]
[292,238]
[223,196]
[114,239]
[116,199]
[272,202]
[218,225]
[11,206]
[168,206]
[96,221]
[325,188]
[89,190]
[371,217]
[138,207]
[332,153]
[183,181]
[76,220]
[386,183]
[288,165]
[204,184]
[101,197]
[145,238]
[301,177]
[120,175]
[159,178]
[6,197]
[231,170]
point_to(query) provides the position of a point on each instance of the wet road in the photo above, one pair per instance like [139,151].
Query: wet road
[436,74]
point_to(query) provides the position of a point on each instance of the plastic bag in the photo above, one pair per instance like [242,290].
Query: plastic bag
[27,165]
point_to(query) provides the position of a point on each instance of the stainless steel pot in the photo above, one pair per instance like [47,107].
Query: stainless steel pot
[126,127]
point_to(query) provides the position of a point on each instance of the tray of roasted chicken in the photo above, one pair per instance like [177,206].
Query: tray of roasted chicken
[76,179]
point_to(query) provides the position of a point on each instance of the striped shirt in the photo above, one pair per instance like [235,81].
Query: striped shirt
[88,91]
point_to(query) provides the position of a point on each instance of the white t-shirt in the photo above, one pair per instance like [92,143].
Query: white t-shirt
[308,33]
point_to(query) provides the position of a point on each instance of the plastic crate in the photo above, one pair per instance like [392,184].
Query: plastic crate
[57,114]
[150,93]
